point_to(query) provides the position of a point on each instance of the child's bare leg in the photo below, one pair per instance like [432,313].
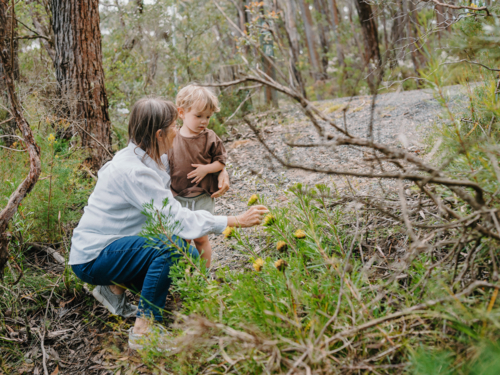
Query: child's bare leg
[204,248]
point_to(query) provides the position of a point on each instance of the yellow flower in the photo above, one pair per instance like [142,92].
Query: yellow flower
[14,145]
[269,220]
[281,246]
[228,232]
[51,138]
[253,199]
[299,233]
[258,264]
[280,264]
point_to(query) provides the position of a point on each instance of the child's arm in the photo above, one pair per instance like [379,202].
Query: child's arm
[203,169]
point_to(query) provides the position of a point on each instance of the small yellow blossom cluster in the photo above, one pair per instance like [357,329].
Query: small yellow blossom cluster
[258,264]
[51,138]
[269,220]
[299,233]
[228,232]
[282,246]
[253,199]
[280,264]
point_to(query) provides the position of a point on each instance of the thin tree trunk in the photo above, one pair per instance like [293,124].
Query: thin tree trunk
[417,57]
[80,74]
[369,29]
[353,29]
[310,40]
[323,39]
[267,45]
[439,21]
[12,48]
[386,39]
[43,29]
[372,57]
[293,41]
[29,142]
[332,5]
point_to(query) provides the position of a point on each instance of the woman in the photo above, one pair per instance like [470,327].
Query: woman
[106,249]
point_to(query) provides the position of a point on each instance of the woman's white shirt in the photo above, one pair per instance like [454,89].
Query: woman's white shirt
[124,185]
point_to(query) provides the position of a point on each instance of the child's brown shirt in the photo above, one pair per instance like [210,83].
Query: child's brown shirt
[205,148]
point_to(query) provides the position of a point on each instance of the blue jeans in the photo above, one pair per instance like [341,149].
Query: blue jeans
[139,265]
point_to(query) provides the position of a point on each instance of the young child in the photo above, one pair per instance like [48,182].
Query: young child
[197,155]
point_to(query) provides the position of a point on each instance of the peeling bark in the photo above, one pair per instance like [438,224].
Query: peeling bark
[31,147]
[311,41]
[369,28]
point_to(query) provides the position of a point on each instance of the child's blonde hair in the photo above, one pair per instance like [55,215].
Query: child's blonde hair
[198,97]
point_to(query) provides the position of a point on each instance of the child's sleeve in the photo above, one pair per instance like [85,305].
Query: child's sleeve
[218,151]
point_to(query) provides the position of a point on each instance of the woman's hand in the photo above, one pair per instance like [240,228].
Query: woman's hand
[250,218]
[223,184]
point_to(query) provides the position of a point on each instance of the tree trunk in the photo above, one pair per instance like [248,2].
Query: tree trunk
[353,29]
[311,42]
[335,22]
[296,79]
[418,58]
[29,142]
[267,46]
[369,29]
[323,32]
[42,28]
[12,47]
[439,20]
[80,74]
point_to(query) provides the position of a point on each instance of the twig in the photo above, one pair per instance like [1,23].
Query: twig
[471,62]
[460,6]
[44,330]
[91,136]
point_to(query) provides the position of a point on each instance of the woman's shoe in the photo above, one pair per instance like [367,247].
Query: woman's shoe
[116,304]
[156,336]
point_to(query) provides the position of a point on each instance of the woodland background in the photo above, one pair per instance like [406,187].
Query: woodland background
[400,279]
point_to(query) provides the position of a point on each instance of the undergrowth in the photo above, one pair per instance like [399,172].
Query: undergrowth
[261,316]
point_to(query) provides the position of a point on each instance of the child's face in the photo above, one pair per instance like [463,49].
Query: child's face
[196,121]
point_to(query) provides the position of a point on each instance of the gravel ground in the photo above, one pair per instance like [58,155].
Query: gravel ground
[401,119]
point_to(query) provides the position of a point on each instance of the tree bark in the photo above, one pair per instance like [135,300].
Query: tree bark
[43,29]
[80,74]
[418,58]
[323,32]
[31,147]
[12,47]
[292,34]
[369,29]
[439,20]
[310,40]
[335,22]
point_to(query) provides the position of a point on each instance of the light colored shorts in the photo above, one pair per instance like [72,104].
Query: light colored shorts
[201,202]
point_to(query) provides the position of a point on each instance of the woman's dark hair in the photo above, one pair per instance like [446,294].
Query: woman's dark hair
[148,115]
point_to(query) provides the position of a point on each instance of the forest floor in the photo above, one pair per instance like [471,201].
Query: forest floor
[83,338]
[400,119]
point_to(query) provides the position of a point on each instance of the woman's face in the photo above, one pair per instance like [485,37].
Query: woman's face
[165,138]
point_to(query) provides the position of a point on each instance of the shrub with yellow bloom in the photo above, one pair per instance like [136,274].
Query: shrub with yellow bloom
[51,138]
[228,232]
[280,264]
[253,199]
[299,233]
[269,220]
[258,264]
[282,246]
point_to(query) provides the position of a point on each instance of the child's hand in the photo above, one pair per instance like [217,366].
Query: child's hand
[199,173]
